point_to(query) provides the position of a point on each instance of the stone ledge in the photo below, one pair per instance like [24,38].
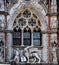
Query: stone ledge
[34,64]
[31,64]
[5,64]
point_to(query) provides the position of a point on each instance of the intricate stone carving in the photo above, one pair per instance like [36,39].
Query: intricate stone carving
[27,56]
[2,22]
[16,58]
[54,22]
[1,51]
[54,54]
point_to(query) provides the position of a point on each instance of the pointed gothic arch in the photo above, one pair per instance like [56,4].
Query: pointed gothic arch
[37,12]
[27,21]
[34,7]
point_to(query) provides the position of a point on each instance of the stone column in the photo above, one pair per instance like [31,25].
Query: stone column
[32,37]
[22,38]
[10,49]
[45,47]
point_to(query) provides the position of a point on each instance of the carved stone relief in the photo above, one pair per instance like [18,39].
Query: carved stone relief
[28,55]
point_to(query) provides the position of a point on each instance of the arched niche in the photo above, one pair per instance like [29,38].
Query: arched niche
[35,7]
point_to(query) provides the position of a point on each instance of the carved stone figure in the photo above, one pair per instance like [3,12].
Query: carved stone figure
[27,56]
[23,57]
[32,56]
[16,59]
[54,52]
[36,57]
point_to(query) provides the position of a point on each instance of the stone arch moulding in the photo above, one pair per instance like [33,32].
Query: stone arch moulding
[33,6]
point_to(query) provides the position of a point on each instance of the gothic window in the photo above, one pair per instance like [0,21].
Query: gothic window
[27,37]
[26,13]
[22,22]
[27,21]
[32,22]
[37,38]
[17,37]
